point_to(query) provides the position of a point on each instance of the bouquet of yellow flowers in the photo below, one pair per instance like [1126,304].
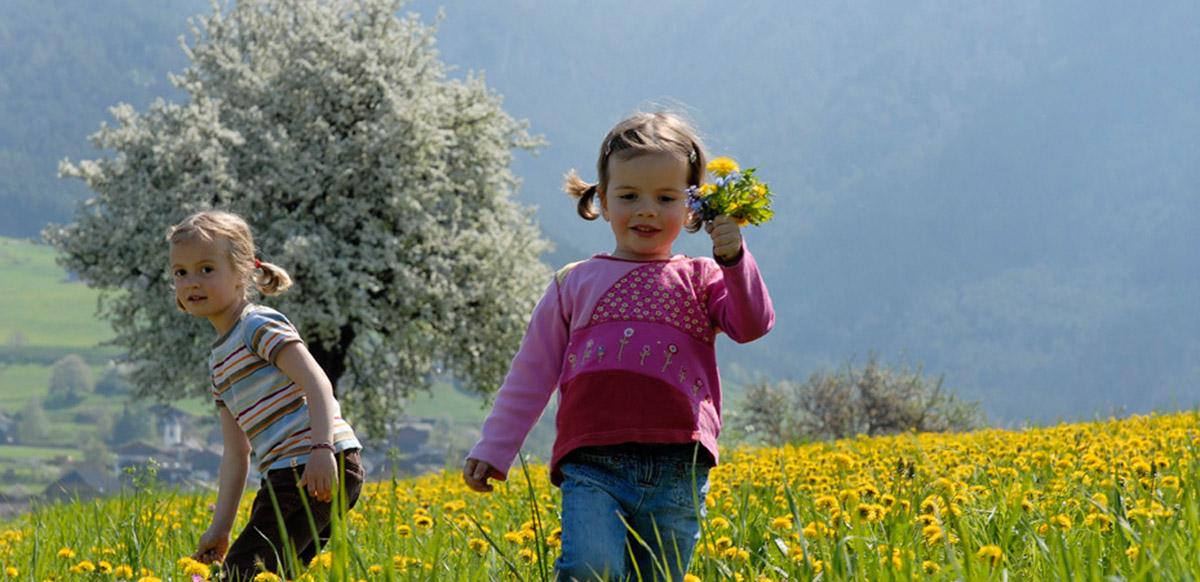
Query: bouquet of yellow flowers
[735,193]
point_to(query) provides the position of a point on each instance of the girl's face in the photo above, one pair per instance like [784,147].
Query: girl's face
[645,204]
[206,283]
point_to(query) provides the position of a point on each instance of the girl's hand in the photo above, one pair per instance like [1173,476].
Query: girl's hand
[213,545]
[476,473]
[320,475]
[726,237]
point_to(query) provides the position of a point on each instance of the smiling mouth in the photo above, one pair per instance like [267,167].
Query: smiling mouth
[644,229]
[196,298]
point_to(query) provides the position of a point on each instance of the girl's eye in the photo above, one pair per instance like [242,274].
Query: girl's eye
[628,196]
[206,270]
[180,272]
[667,199]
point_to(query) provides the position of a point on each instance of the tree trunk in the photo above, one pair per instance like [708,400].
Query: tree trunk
[332,359]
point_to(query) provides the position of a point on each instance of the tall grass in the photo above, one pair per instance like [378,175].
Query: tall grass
[1105,500]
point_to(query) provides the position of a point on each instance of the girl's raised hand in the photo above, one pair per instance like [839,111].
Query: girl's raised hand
[476,474]
[726,237]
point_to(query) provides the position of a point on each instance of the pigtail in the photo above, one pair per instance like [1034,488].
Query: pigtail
[271,279]
[576,187]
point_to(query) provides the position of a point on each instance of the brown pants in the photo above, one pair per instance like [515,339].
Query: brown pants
[261,542]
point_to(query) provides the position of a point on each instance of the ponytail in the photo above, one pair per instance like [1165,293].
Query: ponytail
[576,187]
[270,279]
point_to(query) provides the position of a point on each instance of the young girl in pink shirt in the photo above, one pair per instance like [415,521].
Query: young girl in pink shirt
[627,339]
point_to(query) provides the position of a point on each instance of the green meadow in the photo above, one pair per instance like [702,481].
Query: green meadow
[43,308]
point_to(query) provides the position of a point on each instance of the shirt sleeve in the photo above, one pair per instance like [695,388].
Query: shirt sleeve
[738,302]
[527,388]
[267,331]
[217,398]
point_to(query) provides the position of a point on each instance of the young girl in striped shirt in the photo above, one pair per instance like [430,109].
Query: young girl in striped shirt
[274,402]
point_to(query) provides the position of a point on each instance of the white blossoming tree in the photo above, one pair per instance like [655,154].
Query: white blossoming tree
[381,184]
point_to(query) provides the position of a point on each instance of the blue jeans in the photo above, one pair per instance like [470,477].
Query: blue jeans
[648,487]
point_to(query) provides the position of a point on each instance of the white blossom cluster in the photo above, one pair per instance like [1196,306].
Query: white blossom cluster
[379,183]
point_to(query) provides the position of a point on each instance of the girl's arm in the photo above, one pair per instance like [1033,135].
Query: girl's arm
[738,301]
[522,398]
[231,482]
[320,472]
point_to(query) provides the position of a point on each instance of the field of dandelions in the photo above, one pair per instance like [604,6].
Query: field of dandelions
[1104,500]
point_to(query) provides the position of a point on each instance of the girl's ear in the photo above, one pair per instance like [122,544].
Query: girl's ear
[603,203]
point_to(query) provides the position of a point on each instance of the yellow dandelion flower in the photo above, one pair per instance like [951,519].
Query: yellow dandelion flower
[149,579]
[374,569]
[990,554]
[322,560]
[123,571]
[528,556]
[1170,482]
[66,553]
[1104,522]
[811,530]
[85,567]
[706,190]
[719,523]
[423,521]
[1062,520]
[266,577]
[827,502]
[848,496]
[930,567]
[403,531]
[1132,552]
[723,166]
[691,578]
[477,545]
[1141,467]
[944,485]
[104,567]
[197,569]
[11,572]
[932,533]
[783,522]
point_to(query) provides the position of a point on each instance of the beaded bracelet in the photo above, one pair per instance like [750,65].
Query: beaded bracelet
[316,446]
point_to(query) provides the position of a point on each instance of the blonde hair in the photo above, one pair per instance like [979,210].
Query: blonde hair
[216,225]
[641,134]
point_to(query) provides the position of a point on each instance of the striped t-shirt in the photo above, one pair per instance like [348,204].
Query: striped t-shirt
[270,408]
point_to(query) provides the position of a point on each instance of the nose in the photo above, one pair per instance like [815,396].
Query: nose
[645,209]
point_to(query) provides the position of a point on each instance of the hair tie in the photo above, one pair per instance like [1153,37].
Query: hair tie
[257,264]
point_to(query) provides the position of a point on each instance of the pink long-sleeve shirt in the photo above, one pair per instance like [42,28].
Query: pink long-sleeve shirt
[630,346]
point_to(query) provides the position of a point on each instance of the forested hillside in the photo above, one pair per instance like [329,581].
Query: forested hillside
[1004,193]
